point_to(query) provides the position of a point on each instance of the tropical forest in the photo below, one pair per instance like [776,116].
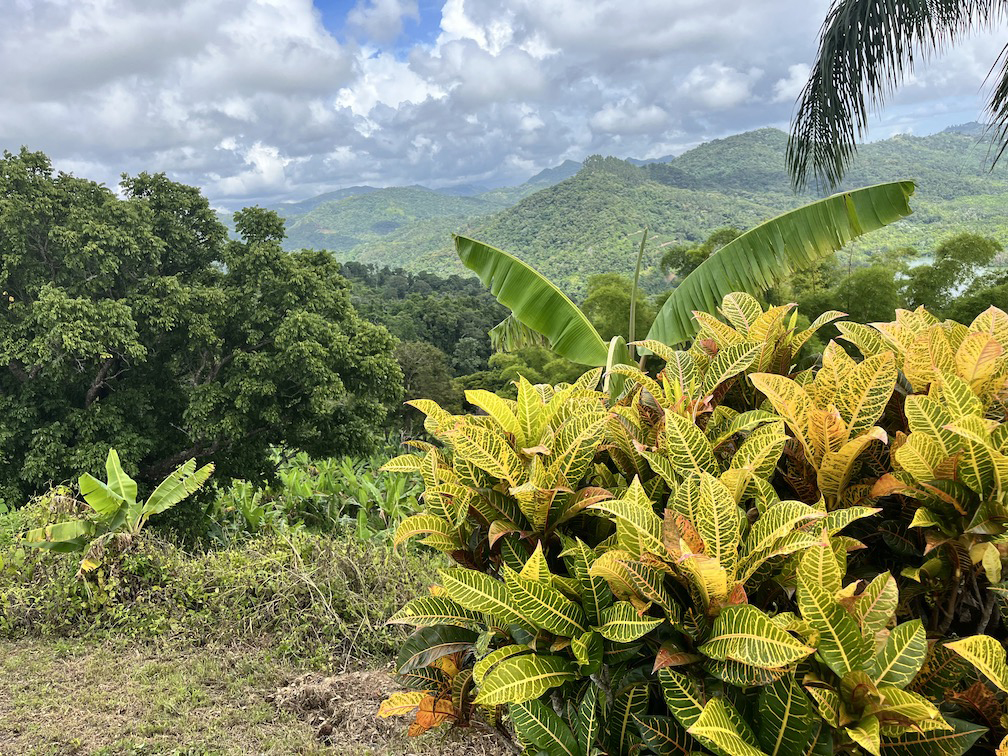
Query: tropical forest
[408,377]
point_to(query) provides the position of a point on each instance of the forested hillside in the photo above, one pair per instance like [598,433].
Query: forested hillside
[585,223]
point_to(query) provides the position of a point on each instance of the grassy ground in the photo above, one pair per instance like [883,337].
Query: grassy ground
[153,697]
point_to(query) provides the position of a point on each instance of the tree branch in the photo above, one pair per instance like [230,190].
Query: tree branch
[98,382]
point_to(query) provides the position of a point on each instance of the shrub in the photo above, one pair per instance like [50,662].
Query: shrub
[680,566]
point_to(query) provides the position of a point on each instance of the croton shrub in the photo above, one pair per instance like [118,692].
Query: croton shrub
[722,554]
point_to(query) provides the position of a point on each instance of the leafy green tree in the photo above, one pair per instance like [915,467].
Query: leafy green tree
[607,305]
[133,322]
[682,259]
[865,49]
[958,262]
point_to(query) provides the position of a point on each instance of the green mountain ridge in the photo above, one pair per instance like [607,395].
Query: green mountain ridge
[590,221]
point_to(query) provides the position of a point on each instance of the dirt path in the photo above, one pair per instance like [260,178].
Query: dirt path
[60,697]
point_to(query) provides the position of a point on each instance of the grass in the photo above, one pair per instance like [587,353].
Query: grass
[130,697]
[125,697]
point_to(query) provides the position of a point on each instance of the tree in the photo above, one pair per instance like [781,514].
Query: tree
[607,305]
[133,322]
[682,259]
[865,49]
[958,262]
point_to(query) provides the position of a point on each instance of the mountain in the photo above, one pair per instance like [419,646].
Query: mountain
[578,219]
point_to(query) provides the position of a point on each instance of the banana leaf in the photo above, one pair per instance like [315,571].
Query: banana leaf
[767,254]
[535,302]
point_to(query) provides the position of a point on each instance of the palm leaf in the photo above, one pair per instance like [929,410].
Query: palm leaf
[534,302]
[766,255]
[511,335]
[865,48]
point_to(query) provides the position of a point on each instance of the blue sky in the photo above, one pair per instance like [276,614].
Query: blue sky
[268,100]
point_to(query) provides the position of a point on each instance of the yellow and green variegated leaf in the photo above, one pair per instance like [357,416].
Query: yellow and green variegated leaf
[954,742]
[875,607]
[839,519]
[823,320]
[901,658]
[621,719]
[530,412]
[866,392]
[445,537]
[741,310]
[488,451]
[401,704]
[622,623]
[687,448]
[404,463]
[776,523]
[707,578]
[501,410]
[709,327]
[741,675]
[977,359]
[523,678]
[437,419]
[987,656]
[836,366]
[633,375]
[983,468]
[760,452]
[928,417]
[841,644]
[925,518]
[539,725]
[719,522]
[681,371]
[746,422]
[787,544]
[635,511]
[743,633]
[722,730]
[866,734]
[630,579]
[536,569]
[587,650]
[900,706]
[574,448]
[958,397]
[427,611]
[661,465]
[589,719]
[660,350]
[828,703]
[481,593]
[791,403]
[864,337]
[494,658]
[682,696]
[664,736]
[727,364]
[837,467]
[595,592]
[920,455]
[428,644]
[787,721]
[543,606]
[992,321]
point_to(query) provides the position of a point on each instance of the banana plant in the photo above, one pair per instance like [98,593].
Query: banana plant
[116,511]
[760,258]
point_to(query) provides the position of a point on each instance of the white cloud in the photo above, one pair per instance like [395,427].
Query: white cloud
[381,20]
[788,88]
[254,99]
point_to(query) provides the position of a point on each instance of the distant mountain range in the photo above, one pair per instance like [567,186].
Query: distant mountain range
[582,218]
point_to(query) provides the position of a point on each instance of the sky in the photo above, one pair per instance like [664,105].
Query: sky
[259,101]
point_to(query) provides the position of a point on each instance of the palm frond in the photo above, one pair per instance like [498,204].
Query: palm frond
[534,302]
[866,47]
[767,254]
[511,334]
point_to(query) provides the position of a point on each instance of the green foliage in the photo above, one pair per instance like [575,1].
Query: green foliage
[681,567]
[313,598]
[134,322]
[116,513]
